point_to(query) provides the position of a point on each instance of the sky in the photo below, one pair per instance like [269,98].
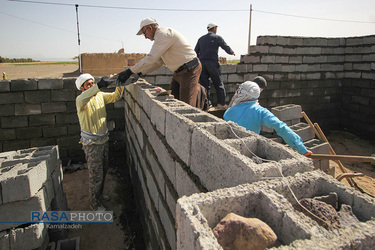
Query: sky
[48,32]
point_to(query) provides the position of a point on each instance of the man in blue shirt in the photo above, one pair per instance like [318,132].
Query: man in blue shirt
[207,50]
[247,113]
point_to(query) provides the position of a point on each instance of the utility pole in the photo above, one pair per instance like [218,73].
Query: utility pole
[248,46]
[79,42]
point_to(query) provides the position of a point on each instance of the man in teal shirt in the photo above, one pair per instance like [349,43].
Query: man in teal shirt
[247,113]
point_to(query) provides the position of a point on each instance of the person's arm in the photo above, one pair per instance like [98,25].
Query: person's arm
[85,97]
[289,136]
[114,96]
[153,59]
[197,48]
[224,45]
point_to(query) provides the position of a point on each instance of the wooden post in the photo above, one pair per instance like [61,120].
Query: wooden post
[248,46]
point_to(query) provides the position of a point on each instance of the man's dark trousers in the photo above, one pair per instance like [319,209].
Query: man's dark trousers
[211,69]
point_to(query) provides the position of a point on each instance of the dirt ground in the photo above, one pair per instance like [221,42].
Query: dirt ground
[38,70]
[125,232]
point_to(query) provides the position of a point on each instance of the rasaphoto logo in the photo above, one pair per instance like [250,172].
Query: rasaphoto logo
[71,217]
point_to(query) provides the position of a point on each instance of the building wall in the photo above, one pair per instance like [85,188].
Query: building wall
[42,112]
[100,64]
[333,79]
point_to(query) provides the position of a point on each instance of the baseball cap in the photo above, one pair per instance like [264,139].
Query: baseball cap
[211,25]
[146,21]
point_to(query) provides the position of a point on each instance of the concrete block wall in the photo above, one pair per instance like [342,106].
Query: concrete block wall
[272,202]
[333,79]
[175,150]
[41,112]
[30,180]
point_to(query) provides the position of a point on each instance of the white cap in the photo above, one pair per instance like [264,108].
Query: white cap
[211,25]
[145,22]
[246,92]
[82,79]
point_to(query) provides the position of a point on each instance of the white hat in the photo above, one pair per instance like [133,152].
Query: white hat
[211,25]
[246,92]
[145,22]
[82,79]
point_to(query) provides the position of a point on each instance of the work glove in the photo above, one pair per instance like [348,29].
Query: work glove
[123,76]
[103,83]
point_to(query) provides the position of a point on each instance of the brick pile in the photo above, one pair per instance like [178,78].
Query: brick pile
[30,180]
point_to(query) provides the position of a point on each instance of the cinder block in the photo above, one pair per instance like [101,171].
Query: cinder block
[29,237]
[24,173]
[40,96]
[4,86]
[318,147]
[27,109]
[20,212]
[287,112]
[273,203]
[8,98]
[4,240]
[63,95]
[178,132]
[54,107]
[71,244]
[39,120]
[14,122]
[22,85]
[50,83]
[303,130]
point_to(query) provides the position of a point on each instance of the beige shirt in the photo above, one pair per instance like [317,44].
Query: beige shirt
[169,48]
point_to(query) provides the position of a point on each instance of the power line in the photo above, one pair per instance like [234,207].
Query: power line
[52,27]
[124,8]
[315,18]
[190,10]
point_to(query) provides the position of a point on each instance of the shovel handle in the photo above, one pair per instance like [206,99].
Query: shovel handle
[342,157]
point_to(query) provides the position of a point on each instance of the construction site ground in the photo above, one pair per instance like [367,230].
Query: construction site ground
[126,231]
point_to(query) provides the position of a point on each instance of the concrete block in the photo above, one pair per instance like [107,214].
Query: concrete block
[19,212]
[4,240]
[318,147]
[168,224]
[273,203]
[63,95]
[54,107]
[29,237]
[27,109]
[287,112]
[7,134]
[4,86]
[71,244]
[28,133]
[9,98]
[178,132]
[50,83]
[23,84]
[40,96]
[24,174]
[158,116]
[303,130]
[162,155]
[227,165]
[39,120]
[185,185]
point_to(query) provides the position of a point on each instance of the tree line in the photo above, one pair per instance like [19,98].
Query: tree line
[16,60]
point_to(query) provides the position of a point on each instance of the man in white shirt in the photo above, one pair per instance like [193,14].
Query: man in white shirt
[170,48]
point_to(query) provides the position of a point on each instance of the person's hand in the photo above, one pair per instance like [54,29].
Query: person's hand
[308,153]
[103,83]
[123,76]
